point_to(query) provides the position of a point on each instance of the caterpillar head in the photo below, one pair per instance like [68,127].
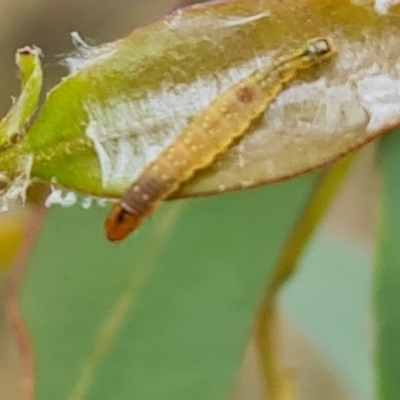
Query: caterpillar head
[120,223]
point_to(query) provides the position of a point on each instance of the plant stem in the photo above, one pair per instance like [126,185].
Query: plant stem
[11,160]
[277,385]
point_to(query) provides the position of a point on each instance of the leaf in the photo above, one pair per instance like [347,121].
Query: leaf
[104,326]
[12,230]
[126,101]
[387,273]
[28,61]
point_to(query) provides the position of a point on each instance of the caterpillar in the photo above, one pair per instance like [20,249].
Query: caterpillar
[211,132]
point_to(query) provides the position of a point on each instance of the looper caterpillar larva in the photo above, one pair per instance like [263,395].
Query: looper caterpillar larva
[227,118]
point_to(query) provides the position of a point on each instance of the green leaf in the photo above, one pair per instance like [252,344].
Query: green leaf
[104,326]
[13,124]
[125,101]
[387,273]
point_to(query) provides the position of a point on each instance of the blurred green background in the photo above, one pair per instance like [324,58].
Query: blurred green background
[326,315]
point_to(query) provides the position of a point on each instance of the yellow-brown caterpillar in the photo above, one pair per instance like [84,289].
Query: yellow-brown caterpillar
[227,118]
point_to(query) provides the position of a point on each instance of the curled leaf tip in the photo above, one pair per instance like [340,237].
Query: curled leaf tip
[29,51]
[13,124]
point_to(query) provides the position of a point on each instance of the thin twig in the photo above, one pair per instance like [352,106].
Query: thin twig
[277,385]
[14,314]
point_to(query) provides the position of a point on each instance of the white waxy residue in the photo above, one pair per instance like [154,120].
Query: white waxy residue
[383,6]
[87,202]
[13,193]
[321,108]
[86,55]
[65,198]
[380,96]
[235,21]
[119,140]
[129,134]
[59,196]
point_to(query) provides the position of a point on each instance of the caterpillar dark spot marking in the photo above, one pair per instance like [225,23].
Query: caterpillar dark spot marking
[245,95]
[227,118]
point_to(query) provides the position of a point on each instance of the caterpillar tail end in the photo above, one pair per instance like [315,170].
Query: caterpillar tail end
[120,223]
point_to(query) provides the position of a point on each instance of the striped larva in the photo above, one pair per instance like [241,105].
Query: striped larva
[227,118]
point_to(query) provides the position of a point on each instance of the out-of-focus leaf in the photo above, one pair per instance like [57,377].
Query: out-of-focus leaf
[125,101]
[184,332]
[12,230]
[387,273]
[28,61]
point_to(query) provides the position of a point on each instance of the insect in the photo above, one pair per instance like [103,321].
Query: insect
[226,119]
